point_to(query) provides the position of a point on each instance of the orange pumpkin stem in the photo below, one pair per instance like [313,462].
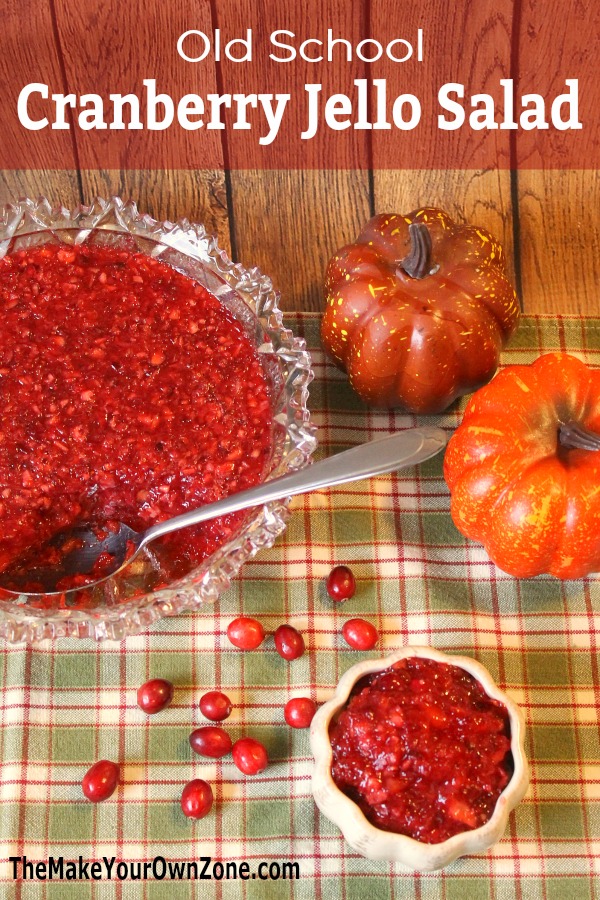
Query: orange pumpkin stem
[573,436]
[418,263]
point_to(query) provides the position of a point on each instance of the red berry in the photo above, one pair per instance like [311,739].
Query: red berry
[155,695]
[299,712]
[210,741]
[250,756]
[245,633]
[196,799]
[215,706]
[100,781]
[359,634]
[289,643]
[341,584]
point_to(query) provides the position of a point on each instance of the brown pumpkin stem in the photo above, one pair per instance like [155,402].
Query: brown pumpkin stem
[573,436]
[418,263]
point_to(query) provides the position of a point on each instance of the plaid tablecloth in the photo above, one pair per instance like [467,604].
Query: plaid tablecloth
[66,704]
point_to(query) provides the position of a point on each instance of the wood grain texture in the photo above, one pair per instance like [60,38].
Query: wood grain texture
[336,149]
[469,43]
[480,198]
[289,223]
[479,40]
[559,219]
[31,53]
[110,48]
[60,186]
[558,211]
[558,40]
[199,196]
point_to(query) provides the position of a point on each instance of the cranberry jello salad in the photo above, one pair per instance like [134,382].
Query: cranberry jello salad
[422,749]
[129,394]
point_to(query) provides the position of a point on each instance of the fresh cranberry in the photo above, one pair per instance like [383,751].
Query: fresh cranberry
[360,635]
[197,799]
[155,695]
[215,706]
[210,741]
[341,584]
[422,750]
[100,781]
[289,643]
[299,712]
[250,756]
[245,633]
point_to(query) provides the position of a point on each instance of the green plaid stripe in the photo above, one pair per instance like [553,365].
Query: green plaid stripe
[63,705]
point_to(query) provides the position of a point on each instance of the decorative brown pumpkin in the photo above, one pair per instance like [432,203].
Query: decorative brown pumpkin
[523,468]
[418,310]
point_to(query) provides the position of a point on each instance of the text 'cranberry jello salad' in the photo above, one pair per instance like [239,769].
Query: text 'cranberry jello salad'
[422,749]
[129,394]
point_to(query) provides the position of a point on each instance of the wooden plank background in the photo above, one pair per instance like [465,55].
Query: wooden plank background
[289,222]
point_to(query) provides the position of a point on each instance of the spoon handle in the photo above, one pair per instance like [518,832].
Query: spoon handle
[386,454]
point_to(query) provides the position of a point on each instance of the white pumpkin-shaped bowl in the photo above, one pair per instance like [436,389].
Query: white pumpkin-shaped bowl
[376,843]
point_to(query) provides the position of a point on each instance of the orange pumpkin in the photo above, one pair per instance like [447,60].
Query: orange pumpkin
[418,310]
[523,468]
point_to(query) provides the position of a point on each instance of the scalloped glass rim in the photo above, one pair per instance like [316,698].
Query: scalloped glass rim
[250,296]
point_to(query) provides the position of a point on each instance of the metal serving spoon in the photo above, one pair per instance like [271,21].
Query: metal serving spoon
[404,448]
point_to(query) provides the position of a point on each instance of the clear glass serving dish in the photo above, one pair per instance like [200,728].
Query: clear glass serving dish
[130,602]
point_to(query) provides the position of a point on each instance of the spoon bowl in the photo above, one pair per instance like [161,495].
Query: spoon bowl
[79,551]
